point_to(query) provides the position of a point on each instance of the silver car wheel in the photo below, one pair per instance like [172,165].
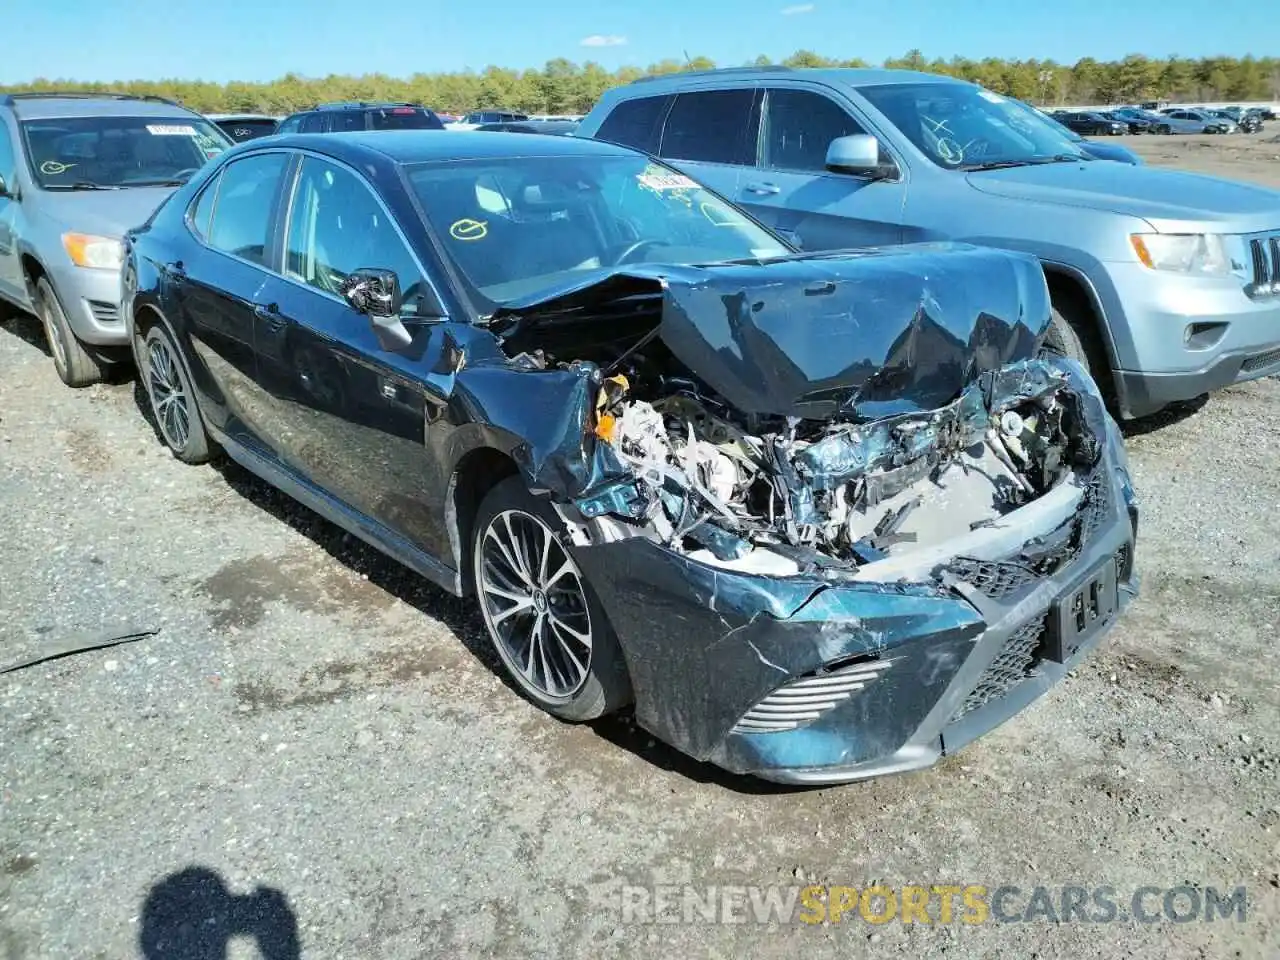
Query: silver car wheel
[534,605]
[168,395]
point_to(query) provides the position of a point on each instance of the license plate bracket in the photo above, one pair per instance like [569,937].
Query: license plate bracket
[1082,612]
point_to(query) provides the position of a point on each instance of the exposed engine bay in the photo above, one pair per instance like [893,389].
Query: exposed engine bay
[839,491]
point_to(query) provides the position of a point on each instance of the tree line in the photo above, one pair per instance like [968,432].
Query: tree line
[562,86]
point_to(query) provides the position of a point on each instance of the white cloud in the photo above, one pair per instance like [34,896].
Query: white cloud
[603,40]
[798,9]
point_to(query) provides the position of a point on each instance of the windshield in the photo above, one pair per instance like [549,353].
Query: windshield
[514,227]
[111,152]
[960,126]
[247,128]
[404,118]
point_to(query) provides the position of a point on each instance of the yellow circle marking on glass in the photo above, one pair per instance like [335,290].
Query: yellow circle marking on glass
[467,229]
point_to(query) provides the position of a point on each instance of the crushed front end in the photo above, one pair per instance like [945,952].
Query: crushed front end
[827,567]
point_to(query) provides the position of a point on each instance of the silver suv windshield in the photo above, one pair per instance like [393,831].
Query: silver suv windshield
[513,228]
[962,127]
[86,153]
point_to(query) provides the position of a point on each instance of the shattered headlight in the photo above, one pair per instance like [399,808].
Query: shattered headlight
[1202,254]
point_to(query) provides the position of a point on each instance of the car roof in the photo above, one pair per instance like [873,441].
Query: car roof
[52,107]
[846,76]
[420,146]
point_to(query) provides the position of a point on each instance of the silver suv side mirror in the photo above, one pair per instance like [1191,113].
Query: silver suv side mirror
[858,154]
[4,189]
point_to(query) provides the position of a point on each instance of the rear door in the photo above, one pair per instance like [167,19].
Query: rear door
[790,188]
[711,135]
[353,414]
[228,278]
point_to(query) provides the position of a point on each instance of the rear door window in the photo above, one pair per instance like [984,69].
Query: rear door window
[244,206]
[313,123]
[635,123]
[712,126]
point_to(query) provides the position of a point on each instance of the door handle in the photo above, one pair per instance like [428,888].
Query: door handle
[270,315]
[763,189]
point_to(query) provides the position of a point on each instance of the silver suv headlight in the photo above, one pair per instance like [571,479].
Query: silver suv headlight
[1202,254]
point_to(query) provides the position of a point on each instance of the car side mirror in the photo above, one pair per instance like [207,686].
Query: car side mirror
[4,189]
[858,154]
[376,294]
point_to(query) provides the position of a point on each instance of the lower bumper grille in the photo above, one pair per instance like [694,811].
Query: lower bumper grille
[1260,362]
[802,701]
[104,312]
[1013,664]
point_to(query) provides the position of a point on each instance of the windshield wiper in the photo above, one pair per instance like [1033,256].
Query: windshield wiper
[1027,162]
[80,185]
[158,183]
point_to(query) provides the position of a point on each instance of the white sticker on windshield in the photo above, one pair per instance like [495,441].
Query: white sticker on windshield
[666,181]
[171,129]
[988,95]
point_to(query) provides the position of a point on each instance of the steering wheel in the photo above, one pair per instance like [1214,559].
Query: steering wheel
[185,173]
[631,249]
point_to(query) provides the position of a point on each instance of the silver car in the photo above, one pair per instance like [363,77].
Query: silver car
[1189,120]
[1167,285]
[76,172]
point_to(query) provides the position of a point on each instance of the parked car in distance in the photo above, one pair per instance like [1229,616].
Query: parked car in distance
[244,126]
[345,117]
[1165,283]
[1094,148]
[76,171]
[1134,124]
[555,128]
[1155,123]
[476,117]
[1091,124]
[501,360]
[1186,120]
[1244,122]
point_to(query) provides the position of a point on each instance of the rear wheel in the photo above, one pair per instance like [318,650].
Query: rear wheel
[548,628]
[76,367]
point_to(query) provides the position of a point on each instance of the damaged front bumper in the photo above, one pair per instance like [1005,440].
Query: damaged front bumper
[813,681]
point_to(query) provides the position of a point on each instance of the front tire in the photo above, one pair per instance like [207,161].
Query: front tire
[173,402]
[75,366]
[544,620]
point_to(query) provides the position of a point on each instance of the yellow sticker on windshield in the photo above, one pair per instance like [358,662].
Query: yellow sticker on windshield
[51,168]
[467,229]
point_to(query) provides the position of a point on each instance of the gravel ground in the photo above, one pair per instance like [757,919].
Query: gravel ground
[315,748]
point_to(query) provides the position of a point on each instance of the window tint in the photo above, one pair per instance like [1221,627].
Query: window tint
[202,212]
[634,123]
[403,118]
[290,125]
[346,120]
[243,207]
[312,123]
[337,226]
[7,166]
[710,126]
[799,126]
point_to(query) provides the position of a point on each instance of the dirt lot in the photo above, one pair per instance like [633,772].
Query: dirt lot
[316,739]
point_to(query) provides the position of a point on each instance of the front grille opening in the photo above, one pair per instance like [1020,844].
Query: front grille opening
[1015,662]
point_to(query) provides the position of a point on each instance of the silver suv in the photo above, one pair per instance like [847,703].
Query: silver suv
[76,172]
[1168,282]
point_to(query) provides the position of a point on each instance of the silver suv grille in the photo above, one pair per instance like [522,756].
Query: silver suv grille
[1265,254]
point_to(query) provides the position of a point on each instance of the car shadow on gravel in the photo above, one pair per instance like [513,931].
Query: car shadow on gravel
[1174,413]
[192,915]
[25,327]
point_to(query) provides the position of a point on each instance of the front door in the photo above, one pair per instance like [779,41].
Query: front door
[351,415]
[10,263]
[791,190]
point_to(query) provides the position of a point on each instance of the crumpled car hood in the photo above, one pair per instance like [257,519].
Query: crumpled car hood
[1157,196]
[866,333]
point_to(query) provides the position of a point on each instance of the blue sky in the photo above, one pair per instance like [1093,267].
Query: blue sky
[263,39]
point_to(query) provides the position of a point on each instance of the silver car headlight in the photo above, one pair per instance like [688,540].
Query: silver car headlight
[1197,254]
